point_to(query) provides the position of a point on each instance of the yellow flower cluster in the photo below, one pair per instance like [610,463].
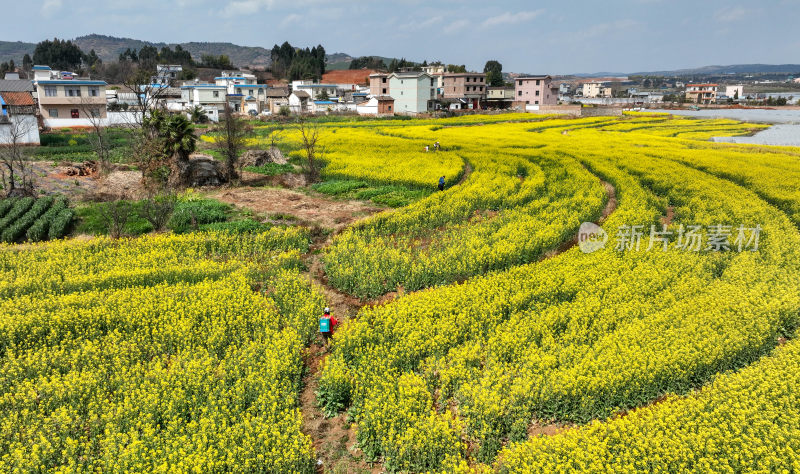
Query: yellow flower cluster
[577,337]
[155,354]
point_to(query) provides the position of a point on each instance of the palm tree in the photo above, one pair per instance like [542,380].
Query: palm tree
[179,142]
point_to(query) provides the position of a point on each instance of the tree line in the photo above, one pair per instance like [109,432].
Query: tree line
[289,62]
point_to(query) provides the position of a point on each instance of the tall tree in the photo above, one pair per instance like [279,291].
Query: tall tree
[494,73]
[58,54]
[231,140]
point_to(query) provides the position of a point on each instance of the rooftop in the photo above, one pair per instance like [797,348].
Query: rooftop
[17,98]
[16,86]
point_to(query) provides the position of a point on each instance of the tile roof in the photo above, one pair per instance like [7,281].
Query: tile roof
[277,92]
[348,76]
[16,86]
[301,94]
[17,98]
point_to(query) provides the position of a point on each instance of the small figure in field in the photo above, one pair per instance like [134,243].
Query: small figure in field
[441,183]
[436,146]
[426,148]
[327,324]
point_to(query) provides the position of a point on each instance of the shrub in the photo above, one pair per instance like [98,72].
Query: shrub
[17,229]
[191,215]
[38,231]
[60,224]
[19,208]
[237,227]
[6,205]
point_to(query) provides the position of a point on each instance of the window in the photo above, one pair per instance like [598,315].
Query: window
[390,108]
[216,94]
[50,91]
[95,113]
[73,91]
[481,88]
[537,92]
[520,83]
[432,82]
[94,91]
[53,113]
[74,113]
[537,82]
[384,90]
[535,101]
[383,80]
[519,93]
[251,91]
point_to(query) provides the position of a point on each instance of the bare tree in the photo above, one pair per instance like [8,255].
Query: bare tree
[116,214]
[16,175]
[158,209]
[231,140]
[149,96]
[309,132]
[98,138]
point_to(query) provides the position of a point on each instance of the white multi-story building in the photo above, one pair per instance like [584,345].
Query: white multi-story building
[210,97]
[413,92]
[66,100]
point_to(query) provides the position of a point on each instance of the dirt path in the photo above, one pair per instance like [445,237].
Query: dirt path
[305,209]
[611,206]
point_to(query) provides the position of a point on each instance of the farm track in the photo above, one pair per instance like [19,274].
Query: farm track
[334,439]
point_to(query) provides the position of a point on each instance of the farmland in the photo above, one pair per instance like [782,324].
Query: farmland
[480,339]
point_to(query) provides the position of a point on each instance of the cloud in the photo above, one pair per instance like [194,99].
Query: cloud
[291,18]
[511,18]
[730,15]
[456,26]
[49,7]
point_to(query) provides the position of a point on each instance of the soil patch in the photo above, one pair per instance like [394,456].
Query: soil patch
[308,210]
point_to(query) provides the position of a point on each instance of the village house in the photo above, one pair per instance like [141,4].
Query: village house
[437,71]
[735,92]
[536,90]
[499,97]
[316,91]
[299,102]
[701,93]
[378,84]
[380,105]
[413,92]
[464,90]
[277,97]
[592,89]
[167,74]
[209,97]
[68,101]
[18,121]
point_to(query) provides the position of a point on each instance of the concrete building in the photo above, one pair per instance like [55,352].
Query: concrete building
[277,97]
[437,71]
[499,97]
[18,122]
[413,92]
[466,89]
[68,101]
[167,74]
[378,84]
[536,90]
[230,79]
[591,89]
[735,91]
[381,105]
[606,91]
[701,93]
[210,97]
[299,102]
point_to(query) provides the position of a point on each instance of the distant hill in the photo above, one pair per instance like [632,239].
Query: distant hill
[15,50]
[708,71]
[109,48]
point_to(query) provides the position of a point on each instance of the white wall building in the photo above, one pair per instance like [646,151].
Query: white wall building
[413,92]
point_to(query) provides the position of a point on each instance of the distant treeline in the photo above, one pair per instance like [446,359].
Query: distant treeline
[289,62]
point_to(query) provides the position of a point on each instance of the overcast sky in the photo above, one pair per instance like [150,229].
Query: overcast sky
[550,37]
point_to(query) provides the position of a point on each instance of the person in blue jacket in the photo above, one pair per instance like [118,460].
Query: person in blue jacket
[441,183]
